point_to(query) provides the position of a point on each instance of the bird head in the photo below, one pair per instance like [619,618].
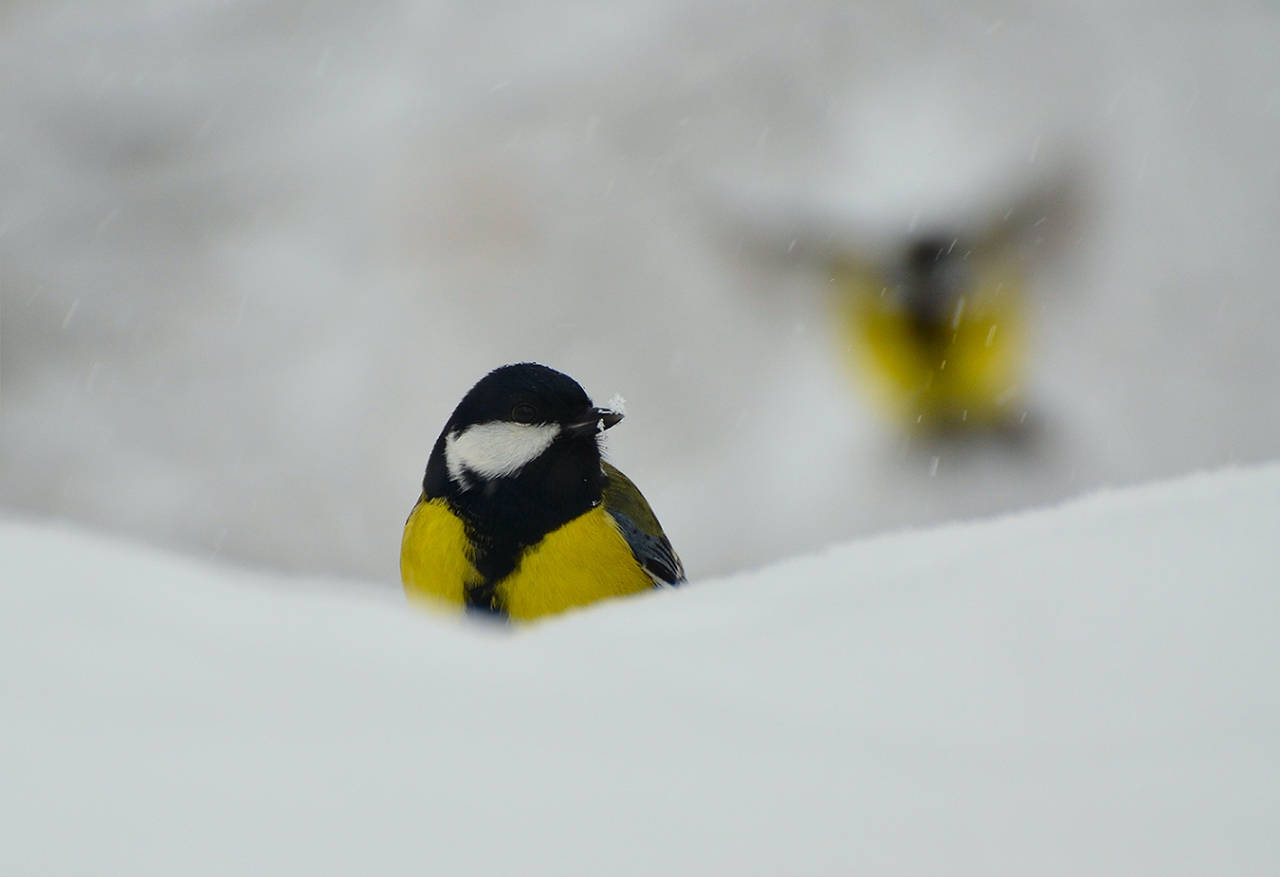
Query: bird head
[513,417]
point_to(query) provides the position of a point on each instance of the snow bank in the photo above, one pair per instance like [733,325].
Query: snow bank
[1085,689]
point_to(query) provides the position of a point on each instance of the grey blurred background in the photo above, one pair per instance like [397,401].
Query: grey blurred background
[252,253]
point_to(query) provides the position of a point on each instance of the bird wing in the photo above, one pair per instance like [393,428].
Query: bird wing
[640,527]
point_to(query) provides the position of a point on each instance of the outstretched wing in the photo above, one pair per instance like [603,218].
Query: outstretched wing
[640,527]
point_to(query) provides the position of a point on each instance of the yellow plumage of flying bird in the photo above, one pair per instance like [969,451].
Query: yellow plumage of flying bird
[937,340]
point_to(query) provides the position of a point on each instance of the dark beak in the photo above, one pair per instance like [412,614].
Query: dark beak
[593,421]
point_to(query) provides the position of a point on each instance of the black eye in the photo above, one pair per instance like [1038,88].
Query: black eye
[524,413]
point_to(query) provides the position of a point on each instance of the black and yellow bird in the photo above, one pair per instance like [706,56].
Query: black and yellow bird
[938,335]
[520,516]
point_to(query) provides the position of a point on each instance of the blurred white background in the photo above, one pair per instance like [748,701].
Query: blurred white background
[252,253]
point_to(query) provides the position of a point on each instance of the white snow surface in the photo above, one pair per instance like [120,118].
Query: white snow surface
[253,252]
[1087,689]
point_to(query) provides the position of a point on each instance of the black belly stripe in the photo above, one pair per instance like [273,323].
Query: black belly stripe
[496,556]
[505,516]
[482,599]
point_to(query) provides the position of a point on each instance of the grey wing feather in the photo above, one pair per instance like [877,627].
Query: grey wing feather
[654,553]
[640,527]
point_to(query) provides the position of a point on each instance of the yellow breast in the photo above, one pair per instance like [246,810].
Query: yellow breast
[435,554]
[583,561]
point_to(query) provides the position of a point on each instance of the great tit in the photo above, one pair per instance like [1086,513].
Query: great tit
[938,337]
[520,516]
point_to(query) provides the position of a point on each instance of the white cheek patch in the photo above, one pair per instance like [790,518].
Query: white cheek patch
[496,449]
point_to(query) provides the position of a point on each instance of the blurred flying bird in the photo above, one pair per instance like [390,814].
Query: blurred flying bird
[936,337]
